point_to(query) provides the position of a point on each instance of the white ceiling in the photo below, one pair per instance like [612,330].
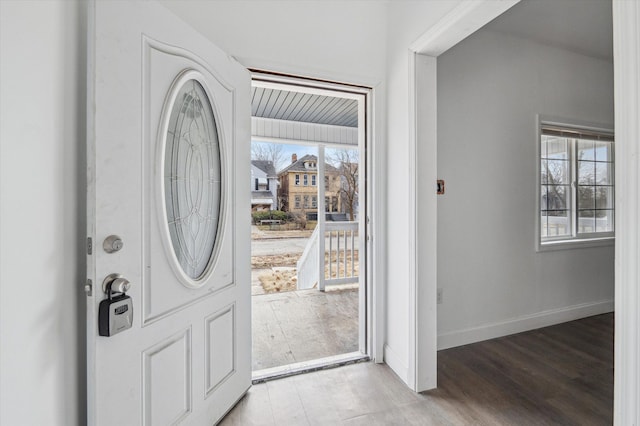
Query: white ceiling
[581,26]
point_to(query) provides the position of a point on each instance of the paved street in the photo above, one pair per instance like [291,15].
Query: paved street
[267,247]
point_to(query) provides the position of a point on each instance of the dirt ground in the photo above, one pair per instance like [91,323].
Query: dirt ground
[262,262]
[276,281]
[280,280]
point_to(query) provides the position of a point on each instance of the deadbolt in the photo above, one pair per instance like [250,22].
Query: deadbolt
[116,283]
[112,244]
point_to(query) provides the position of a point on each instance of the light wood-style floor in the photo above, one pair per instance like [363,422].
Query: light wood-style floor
[560,375]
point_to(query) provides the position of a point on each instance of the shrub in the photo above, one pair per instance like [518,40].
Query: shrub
[270,215]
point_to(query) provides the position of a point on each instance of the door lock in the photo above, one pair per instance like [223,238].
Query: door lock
[112,244]
[115,313]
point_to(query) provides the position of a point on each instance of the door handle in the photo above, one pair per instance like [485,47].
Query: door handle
[115,283]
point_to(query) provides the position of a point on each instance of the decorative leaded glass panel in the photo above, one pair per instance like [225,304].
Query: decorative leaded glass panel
[192,179]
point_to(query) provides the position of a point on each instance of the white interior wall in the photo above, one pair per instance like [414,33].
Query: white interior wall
[490,88]
[331,39]
[42,178]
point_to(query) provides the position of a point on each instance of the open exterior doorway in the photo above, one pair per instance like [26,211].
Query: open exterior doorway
[309,213]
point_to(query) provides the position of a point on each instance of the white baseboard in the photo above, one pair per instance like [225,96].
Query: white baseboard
[520,324]
[395,363]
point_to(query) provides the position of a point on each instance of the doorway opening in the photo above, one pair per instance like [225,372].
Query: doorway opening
[308,214]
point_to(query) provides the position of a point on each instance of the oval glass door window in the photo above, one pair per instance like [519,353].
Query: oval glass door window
[192,183]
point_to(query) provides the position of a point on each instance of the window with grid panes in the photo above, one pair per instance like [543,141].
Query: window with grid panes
[576,184]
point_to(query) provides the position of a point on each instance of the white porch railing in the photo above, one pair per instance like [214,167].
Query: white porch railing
[341,258]
[307,265]
[340,264]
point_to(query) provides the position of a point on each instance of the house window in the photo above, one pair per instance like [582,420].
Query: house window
[314,201]
[297,179]
[576,187]
[326,182]
[306,180]
[306,201]
[313,180]
[297,201]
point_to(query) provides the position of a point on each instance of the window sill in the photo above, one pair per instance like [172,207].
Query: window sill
[575,244]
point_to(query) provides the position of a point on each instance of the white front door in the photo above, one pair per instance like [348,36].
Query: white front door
[168,156]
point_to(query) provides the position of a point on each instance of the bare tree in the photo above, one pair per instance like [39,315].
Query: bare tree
[265,151]
[554,177]
[346,161]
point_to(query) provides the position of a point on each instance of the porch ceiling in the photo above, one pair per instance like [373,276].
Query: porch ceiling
[303,107]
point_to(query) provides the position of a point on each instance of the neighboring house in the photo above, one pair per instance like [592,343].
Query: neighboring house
[264,186]
[298,191]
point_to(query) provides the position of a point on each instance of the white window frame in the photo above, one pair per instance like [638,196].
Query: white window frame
[576,240]
[305,179]
[297,180]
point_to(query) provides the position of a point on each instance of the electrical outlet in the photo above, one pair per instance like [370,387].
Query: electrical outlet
[439,296]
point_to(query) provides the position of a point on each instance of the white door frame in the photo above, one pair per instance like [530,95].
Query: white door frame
[626,56]
[375,169]
[452,28]
[464,20]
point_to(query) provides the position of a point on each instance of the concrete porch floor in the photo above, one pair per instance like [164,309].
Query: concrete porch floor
[303,325]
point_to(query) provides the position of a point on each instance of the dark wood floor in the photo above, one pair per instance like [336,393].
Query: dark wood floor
[560,375]
[556,375]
